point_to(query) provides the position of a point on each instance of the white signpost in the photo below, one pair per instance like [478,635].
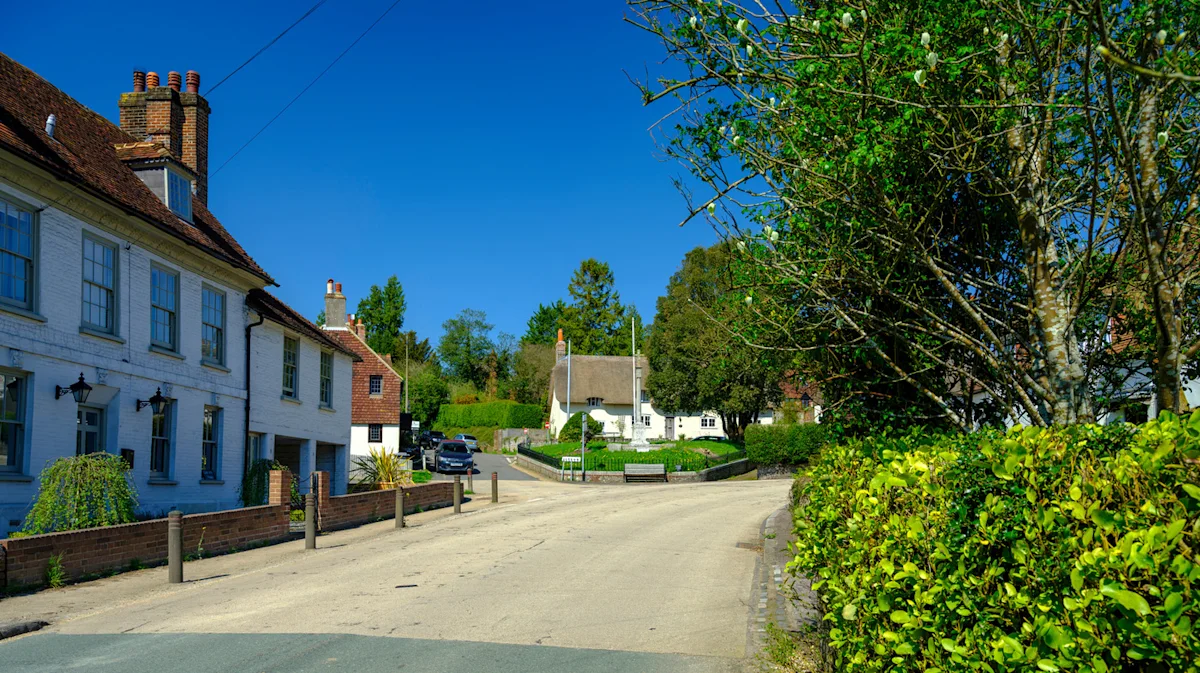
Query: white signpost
[569,462]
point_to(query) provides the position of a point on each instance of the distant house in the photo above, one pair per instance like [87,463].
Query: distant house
[300,407]
[377,390]
[605,387]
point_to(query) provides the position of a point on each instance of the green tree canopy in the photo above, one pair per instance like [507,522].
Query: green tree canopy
[545,322]
[427,391]
[382,312]
[466,346]
[593,318]
[696,363]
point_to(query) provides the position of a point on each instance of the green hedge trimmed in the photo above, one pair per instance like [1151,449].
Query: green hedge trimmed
[784,444]
[1061,549]
[501,414]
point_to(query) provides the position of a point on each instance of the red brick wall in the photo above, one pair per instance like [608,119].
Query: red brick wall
[97,550]
[344,511]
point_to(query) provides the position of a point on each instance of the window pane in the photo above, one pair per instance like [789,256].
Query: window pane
[98,276]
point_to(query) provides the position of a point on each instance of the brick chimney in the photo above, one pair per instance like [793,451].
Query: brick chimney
[361,329]
[560,348]
[178,119]
[335,306]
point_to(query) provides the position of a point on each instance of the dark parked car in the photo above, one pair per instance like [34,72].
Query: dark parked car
[430,438]
[453,456]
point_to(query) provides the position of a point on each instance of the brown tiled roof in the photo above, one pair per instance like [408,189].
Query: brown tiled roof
[83,152]
[364,407]
[271,308]
[143,151]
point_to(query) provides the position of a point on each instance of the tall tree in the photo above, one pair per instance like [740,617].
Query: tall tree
[427,391]
[594,315]
[926,191]
[545,322]
[466,346]
[419,351]
[382,312]
[530,382]
[696,363]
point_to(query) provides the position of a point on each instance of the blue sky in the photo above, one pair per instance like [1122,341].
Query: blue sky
[477,150]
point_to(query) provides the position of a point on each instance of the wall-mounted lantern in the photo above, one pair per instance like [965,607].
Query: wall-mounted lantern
[79,390]
[155,402]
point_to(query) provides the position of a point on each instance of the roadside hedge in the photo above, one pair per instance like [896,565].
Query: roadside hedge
[784,444]
[1060,549]
[499,414]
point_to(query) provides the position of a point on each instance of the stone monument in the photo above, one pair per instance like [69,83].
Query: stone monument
[639,442]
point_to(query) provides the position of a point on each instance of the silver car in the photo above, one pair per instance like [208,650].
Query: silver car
[469,440]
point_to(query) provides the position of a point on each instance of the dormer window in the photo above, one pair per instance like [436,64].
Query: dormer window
[179,194]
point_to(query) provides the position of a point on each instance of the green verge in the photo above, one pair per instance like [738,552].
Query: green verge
[1060,549]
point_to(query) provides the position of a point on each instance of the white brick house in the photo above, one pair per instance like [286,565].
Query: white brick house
[112,269]
[299,393]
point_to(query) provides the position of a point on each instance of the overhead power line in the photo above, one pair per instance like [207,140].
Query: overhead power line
[310,85]
[265,47]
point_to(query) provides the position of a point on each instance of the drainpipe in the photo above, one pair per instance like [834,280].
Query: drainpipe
[246,430]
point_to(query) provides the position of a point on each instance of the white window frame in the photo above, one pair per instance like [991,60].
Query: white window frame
[18,419]
[173,311]
[327,379]
[645,397]
[101,428]
[220,340]
[595,401]
[113,308]
[31,266]
[371,381]
[210,438]
[165,438]
[645,420]
[292,392]
[372,436]
[708,422]
[180,204]
[256,446]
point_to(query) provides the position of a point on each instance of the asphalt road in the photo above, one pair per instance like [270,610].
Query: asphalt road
[565,577]
[485,465]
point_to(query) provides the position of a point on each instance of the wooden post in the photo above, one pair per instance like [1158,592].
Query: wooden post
[399,507]
[310,520]
[457,494]
[495,489]
[175,547]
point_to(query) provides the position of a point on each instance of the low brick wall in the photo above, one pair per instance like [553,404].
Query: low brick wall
[345,511]
[92,551]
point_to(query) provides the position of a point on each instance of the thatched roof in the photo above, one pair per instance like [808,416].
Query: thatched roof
[609,377]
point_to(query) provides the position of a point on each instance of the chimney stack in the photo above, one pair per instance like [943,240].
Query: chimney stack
[360,329]
[335,306]
[560,348]
[176,119]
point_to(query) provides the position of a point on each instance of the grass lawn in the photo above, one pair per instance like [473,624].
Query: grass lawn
[602,460]
[719,448]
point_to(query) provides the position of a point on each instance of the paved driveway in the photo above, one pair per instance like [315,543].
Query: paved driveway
[577,578]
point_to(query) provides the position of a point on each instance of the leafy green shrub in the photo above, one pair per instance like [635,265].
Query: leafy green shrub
[500,414]
[422,476]
[256,482]
[570,430]
[82,492]
[1069,549]
[379,466]
[784,444]
[296,515]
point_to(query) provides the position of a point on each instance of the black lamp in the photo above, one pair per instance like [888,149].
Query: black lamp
[155,403]
[79,390]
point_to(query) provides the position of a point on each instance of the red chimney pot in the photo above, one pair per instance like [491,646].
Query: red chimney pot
[151,79]
[174,80]
[338,287]
[139,81]
[193,81]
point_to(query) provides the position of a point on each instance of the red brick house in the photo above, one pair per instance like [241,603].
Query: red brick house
[377,393]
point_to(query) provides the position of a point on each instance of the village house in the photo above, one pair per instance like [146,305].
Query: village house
[125,304]
[605,387]
[300,404]
[377,393]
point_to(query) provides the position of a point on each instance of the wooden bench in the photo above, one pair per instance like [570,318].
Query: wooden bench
[645,473]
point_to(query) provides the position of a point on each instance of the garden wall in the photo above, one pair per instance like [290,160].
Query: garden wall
[345,511]
[711,474]
[94,551]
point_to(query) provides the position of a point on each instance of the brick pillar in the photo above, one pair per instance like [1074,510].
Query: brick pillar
[321,482]
[279,489]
